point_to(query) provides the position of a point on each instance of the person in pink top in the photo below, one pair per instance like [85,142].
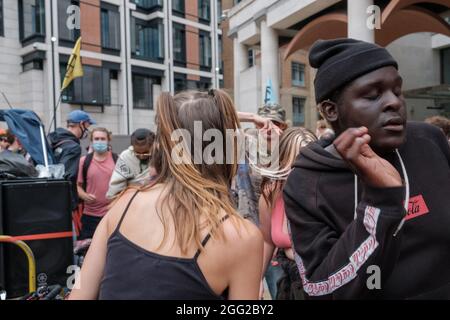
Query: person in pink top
[93,181]
[273,222]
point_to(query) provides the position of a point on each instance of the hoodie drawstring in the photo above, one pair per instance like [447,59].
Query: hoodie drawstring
[405,204]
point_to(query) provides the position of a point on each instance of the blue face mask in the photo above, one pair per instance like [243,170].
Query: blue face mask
[100,146]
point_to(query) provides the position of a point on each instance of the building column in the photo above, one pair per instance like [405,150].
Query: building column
[52,71]
[357,20]
[168,83]
[269,61]
[126,117]
[240,53]
[214,45]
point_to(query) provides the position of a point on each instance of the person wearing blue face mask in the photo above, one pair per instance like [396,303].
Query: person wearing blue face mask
[94,173]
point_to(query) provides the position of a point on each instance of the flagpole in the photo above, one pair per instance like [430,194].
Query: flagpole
[7,101]
[53,40]
[54,112]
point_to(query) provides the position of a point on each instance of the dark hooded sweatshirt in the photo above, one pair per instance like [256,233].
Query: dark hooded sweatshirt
[67,151]
[339,257]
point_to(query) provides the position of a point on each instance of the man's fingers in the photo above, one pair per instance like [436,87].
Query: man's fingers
[347,138]
[355,150]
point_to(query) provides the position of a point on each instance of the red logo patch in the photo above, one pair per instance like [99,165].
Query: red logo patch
[416,207]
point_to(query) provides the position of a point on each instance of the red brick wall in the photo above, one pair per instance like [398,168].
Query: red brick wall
[91,29]
[192,48]
[191,10]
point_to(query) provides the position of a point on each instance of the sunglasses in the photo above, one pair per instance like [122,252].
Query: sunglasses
[142,154]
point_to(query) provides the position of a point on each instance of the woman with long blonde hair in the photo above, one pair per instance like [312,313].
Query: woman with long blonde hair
[180,238]
[273,222]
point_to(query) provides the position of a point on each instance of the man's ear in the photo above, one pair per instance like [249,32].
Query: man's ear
[329,110]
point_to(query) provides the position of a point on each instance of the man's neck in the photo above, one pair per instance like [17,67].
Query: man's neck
[72,132]
[100,156]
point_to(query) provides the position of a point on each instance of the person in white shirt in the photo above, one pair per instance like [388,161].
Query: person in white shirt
[132,167]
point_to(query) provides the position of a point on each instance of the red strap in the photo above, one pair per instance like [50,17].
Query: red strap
[43,236]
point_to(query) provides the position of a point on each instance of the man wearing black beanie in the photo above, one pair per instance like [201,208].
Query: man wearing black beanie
[370,212]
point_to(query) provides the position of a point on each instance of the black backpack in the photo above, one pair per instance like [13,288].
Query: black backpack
[87,163]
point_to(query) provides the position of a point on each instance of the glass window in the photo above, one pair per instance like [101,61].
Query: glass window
[33,65]
[91,89]
[178,6]
[251,58]
[220,58]
[2,32]
[298,74]
[32,16]
[147,39]
[181,84]
[142,92]
[110,22]
[205,49]
[446,66]
[219,11]
[204,11]
[148,4]
[298,111]
[64,32]
[179,43]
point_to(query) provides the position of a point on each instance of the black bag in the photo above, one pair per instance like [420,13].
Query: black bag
[13,164]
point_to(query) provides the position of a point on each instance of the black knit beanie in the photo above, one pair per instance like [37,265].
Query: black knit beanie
[340,61]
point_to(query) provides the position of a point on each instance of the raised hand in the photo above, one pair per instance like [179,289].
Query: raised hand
[353,146]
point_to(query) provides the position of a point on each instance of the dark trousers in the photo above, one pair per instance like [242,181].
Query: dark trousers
[88,226]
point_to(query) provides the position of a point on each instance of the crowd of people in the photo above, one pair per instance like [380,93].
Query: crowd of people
[368,188]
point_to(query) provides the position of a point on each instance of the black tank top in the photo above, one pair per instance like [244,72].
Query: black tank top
[133,273]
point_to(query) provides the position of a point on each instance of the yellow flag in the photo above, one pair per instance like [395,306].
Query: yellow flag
[74,66]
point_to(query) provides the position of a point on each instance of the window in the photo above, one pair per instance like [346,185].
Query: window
[2,32]
[91,89]
[179,43]
[219,11]
[178,6]
[143,92]
[32,19]
[205,49]
[298,74]
[181,83]
[204,10]
[298,111]
[445,61]
[147,40]
[66,34]
[220,58]
[148,4]
[251,58]
[110,22]
[33,65]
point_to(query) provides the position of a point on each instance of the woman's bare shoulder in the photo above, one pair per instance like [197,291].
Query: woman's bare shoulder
[118,208]
[242,234]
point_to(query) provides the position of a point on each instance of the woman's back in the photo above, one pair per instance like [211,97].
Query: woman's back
[136,268]
[152,253]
